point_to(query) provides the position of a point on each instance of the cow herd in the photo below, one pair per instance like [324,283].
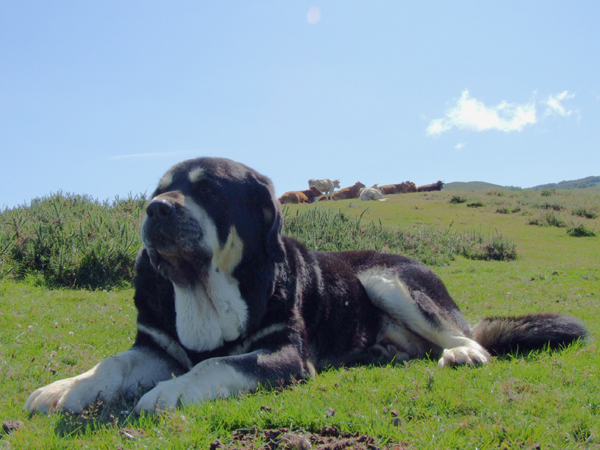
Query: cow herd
[324,189]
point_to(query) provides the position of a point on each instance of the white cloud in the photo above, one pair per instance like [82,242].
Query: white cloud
[472,114]
[314,15]
[148,155]
[554,104]
[459,145]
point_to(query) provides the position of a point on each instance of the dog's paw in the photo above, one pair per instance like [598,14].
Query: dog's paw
[185,390]
[63,395]
[213,378]
[461,356]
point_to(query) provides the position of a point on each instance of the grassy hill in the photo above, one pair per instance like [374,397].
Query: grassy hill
[546,399]
[582,183]
[589,183]
[474,186]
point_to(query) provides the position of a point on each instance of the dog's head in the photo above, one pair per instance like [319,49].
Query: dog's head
[211,212]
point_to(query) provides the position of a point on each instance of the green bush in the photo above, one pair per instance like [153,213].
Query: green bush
[548,219]
[72,240]
[587,213]
[456,199]
[553,206]
[475,205]
[331,230]
[495,247]
[580,231]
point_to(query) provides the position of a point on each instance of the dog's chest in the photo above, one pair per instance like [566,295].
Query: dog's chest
[207,316]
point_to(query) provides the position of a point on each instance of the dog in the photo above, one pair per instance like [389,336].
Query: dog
[227,303]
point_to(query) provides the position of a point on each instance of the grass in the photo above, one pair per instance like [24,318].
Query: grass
[331,230]
[72,241]
[546,399]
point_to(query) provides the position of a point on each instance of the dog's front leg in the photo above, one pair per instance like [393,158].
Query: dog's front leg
[120,375]
[224,376]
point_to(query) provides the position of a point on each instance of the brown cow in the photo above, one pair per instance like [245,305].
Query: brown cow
[348,192]
[308,196]
[431,187]
[400,188]
[387,189]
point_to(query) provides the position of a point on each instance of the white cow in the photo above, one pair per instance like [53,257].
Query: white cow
[372,193]
[326,186]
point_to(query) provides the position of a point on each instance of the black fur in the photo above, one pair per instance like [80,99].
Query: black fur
[331,319]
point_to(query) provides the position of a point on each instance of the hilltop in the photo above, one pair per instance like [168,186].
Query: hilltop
[592,183]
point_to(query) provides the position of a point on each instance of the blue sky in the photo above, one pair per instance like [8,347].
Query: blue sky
[102,97]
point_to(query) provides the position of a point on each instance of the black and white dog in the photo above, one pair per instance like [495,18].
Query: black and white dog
[227,303]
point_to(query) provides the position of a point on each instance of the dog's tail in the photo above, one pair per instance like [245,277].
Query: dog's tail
[524,333]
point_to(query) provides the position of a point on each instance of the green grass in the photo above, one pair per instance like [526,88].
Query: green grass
[72,241]
[546,399]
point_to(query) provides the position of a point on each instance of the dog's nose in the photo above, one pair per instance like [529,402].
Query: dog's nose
[160,208]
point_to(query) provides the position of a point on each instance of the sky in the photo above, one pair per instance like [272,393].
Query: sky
[102,97]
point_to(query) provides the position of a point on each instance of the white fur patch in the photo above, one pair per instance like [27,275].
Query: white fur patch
[206,317]
[165,181]
[391,295]
[120,375]
[209,379]
[196,174]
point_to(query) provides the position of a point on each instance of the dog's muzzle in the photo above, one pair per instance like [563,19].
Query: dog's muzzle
[169,228]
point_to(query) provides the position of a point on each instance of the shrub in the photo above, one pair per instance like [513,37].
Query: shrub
[548,192]
[580,231]
[335,231]
[552,206]
[502,210]
[548,219]
[553,220]
[475,205]
[495,247]
[72,240]
[456,199]
[585,212]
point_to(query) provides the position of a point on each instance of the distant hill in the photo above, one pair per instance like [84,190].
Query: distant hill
[582,183]
[592,183]
[474,186]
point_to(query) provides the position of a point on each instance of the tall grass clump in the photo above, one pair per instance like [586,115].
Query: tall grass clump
[584,212]
[495,247]
[330,230]
[72,240]
[548,219]
[548,192]
[457,199]
[580,231]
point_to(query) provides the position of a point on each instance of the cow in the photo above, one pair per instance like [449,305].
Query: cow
[307,196]
[326,186]
[348,192]
[371,193]
[400,188]
[388,189]
[431,187]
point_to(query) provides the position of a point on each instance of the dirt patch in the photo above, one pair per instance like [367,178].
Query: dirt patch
[328,438]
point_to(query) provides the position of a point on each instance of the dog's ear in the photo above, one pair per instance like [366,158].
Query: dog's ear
[273,219]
